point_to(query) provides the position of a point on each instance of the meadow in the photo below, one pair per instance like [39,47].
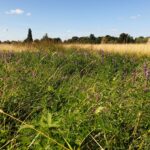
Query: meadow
[75,97]
[137,49]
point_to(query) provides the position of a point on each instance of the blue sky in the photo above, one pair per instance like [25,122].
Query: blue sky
[65,18]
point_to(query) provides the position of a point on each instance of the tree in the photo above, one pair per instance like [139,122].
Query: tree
[98,40]
[108,39]
[125,38]
[92,39]
[104,40]
[75,39]
[45,37]
[141,39]
[57,40]
[29,37]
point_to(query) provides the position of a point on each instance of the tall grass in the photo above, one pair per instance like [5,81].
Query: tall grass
[71,99]
[20,47]
[137,49]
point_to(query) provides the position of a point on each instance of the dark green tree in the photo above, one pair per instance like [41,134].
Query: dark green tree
[92,39]
[29,38]
[45,37]
[75,39]
[57,40]
[125,38]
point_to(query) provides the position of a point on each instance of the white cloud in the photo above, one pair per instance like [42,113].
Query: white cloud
[28,14]
[17,11]
[135,17]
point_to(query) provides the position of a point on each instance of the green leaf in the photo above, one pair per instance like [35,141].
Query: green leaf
[50,89]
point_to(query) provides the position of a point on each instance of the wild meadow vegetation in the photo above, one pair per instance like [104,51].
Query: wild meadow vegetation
[67,99]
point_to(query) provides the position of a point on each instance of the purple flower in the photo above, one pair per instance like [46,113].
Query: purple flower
[102,55]
[148,74]
[145,69]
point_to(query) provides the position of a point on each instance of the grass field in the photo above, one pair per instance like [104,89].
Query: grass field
[16,48]
[58,98]
[138,49]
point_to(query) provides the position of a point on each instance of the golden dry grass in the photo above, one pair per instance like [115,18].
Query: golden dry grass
[16,48]
[138,49]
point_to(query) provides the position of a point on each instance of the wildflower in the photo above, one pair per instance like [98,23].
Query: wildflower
[145,69]
[148,74]
[102,55]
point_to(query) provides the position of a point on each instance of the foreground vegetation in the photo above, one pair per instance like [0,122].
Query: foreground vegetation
[72,99]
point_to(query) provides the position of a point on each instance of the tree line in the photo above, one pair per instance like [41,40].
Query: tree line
[122,39]
[92,39]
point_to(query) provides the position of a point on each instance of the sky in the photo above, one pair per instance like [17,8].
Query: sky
[67,18]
